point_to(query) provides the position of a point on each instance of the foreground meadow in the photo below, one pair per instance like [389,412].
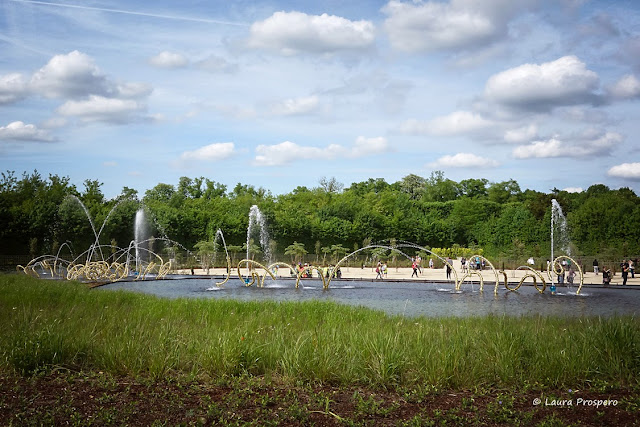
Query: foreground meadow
[69,354]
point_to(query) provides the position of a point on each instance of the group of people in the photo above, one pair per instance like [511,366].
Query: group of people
[626,266]
[306,271]
[381,270]
[475,263]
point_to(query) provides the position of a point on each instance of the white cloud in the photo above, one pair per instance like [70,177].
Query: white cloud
[18,131]
[166,59]
[290,33]
[589,143]
[573,189]
[565,81]
[540,149]
[13,87]
[110,164]
[456,123]
[100,109]
[464,160]
[458,24]
[290,152]
[629,171]
[369,146]
[296,106]
[628,87]
[210,153]
[73,75]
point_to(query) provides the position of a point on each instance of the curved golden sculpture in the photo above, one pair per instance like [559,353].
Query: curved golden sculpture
[254,275]
[226,279]
[487,262]
[534,274]
[469,274]
[556,267]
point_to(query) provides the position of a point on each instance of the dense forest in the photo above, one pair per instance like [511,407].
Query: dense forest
[38,214]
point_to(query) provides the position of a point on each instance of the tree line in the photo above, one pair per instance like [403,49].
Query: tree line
[39,214]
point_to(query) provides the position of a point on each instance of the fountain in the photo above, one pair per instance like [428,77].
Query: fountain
[560,230]
[140,234]
[84,266]
[91,264]
[256,219]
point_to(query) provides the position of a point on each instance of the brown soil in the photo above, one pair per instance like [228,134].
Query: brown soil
[95,398]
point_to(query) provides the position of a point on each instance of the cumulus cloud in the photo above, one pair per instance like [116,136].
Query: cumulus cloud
[296,106]
[541,149]
[166,59]
[628,87]
[589,143]
[210,153]
[629,171]
[100,109]
[290,33]
[90,94]
[290,152]
[464,160]
[456,123]
[19,131]
[458,24]
[13,87]
[565,81]
[73,75]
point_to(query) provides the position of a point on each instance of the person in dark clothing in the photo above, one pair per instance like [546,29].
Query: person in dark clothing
[595,266]
[625,272]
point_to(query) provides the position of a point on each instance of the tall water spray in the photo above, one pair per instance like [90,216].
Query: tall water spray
[256,219]
[140,232]
[559,229]
[93,228]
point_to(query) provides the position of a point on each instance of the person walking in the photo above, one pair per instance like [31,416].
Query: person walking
[448,268]
[632,269]
[379,271]
[595,266]
[415,269]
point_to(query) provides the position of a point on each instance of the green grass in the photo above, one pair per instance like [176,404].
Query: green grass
[52,325]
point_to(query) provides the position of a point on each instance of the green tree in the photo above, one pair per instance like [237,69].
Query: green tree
[296,250]
[440,189]
[206,250]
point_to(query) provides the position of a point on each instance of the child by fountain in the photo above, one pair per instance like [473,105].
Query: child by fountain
[606,276]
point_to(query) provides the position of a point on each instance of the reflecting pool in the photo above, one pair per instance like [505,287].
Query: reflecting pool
[407,298]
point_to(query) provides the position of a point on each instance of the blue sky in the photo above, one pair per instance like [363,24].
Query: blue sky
[278,94]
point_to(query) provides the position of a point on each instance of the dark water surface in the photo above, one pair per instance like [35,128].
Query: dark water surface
[408,298]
